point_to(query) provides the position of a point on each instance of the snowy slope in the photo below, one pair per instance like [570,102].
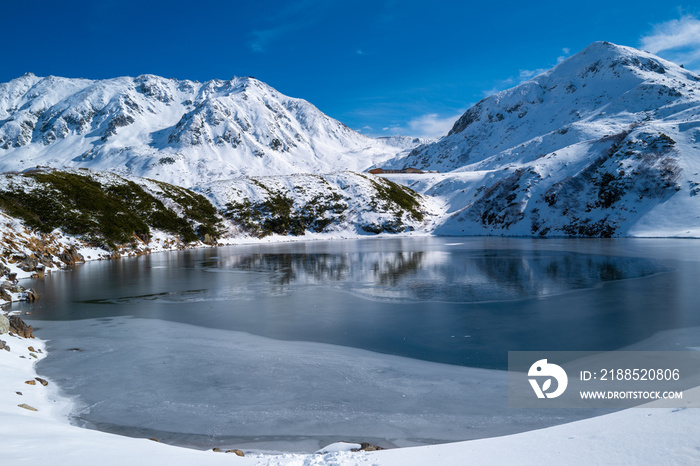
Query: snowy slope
[607,143]
[335,202]
[181,132]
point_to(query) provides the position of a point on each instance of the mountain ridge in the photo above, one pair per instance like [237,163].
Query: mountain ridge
[182,132]
[583,88]
[607,143]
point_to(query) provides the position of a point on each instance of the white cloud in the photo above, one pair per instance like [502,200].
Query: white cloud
[674,34]
[523,75]
[430,125]
[677,40]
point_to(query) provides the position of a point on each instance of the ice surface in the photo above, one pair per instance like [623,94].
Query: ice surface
[202,385]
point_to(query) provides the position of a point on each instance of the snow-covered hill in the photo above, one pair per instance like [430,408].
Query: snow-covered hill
[183,132]
[345,202]
[606,143]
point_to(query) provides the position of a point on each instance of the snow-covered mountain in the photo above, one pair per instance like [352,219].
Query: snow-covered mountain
[182,132]
[606,143]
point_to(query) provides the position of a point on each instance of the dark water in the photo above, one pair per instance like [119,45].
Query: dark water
[458,301]
[431,299]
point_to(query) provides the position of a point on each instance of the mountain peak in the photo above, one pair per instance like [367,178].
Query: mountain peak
[597,92]
[613,62]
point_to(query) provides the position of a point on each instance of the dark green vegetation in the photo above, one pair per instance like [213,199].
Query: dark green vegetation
[401,197]
[277,214]
[196,207]
[105,213]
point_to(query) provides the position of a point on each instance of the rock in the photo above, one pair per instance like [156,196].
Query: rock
[45,382]
[6,285]
[217,449]
[2,344]
[154,439]
[30,382]
[369,447]
[29,264]
[4,324]
[19,393]
[46,260]
[6,348]
[31,349]
[34,355]
[30,295]
[26,406]
[21,328]
[236,451]
[4,295]
[70,256]
[74,349]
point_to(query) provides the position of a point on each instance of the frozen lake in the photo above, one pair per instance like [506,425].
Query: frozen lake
[392,341]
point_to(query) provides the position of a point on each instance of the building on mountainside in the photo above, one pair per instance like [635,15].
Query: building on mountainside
[380,171]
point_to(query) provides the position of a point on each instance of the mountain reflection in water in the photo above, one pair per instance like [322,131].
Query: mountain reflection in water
[462,276]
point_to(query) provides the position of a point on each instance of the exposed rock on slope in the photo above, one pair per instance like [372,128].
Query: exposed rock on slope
[52,219]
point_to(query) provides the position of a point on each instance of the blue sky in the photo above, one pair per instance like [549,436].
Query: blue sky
[382,67]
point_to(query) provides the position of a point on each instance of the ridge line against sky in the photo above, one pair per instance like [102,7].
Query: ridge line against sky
[382,67]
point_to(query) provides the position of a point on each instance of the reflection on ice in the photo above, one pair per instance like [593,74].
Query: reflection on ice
[462,276]
[191,385]
[459,276]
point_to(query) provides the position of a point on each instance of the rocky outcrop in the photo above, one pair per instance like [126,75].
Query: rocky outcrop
[364,446]
[4,324]
[70,256]
[18,326]
[29,295]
